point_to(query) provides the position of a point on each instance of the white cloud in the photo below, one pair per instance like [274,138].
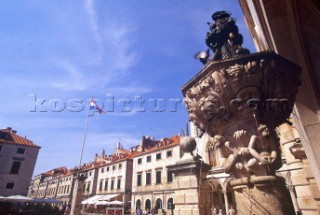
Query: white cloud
[72,79]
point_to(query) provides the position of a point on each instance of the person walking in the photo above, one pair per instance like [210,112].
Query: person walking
[232,211]
[139,211]
[213,210]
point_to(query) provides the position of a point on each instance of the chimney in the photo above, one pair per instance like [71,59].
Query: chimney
[9,128]
[14,131]
[143,143]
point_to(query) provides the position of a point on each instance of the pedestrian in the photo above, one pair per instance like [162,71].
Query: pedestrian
[67,210]
[221,212]
[139,211]
[213,210]
[232,211]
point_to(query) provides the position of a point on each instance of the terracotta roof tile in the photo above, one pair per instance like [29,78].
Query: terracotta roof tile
[9,136]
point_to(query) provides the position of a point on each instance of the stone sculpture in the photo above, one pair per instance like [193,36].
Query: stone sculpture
[224,38]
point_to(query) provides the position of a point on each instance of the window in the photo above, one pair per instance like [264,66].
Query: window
[169,153]
[139,180]
[9,185]
[101,184]
[21,151]
[139,160]
[169,176]
[88,187]
[119,183]
[106,184]
[15,167]
[120,166]
[113,167]
[90,173]
[158,177]
[0,148]
[158,156]
[148,178]
[149,158]
[112,184]
[107,169]
[102,170]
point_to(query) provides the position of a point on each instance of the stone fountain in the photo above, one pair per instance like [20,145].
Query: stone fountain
[238,99]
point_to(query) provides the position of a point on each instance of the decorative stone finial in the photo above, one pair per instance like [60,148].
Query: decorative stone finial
[187,145]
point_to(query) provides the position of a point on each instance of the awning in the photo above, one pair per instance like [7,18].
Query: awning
[95,199]
[18,198]
[91,200]
[46,200]
[115,203]
[101,203]
[108,197]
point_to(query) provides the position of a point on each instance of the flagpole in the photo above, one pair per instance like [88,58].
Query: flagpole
[84,137]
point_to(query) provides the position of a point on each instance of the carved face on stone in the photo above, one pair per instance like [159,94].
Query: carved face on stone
[264,131]
[218,141]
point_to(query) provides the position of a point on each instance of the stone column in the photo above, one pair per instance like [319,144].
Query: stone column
[303,190]
[77,195]
[239,102]
[192,194]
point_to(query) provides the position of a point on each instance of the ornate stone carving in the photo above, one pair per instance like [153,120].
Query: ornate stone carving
[253,154]
[262,84]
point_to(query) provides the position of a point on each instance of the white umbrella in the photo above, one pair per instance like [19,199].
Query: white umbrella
[101,203]
[115,203]
[19,198]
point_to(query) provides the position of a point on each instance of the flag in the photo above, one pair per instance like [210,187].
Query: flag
[93,105]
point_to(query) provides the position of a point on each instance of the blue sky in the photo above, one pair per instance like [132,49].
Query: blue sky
[70,49]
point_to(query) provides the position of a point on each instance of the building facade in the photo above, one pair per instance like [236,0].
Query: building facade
[18,157]
[152,183]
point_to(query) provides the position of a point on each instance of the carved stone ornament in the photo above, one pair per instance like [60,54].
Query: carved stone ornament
[261,85]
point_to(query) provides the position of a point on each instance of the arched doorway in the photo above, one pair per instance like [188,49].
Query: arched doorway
[159,204]
[170,205]
[147,204]
[138,204]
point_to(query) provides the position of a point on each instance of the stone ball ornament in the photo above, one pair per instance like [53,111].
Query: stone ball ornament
[187,145]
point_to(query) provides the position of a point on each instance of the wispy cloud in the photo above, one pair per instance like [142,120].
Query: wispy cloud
[89,6]
[121,43]
[72,79]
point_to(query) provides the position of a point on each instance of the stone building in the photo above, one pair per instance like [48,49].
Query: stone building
[114,178]
[18,156]
[290,29]
[152,183]
[45,185]
[65,187]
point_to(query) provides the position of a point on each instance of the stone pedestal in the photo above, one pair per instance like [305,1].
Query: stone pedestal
[192,196]
[77,195]
[261,195]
